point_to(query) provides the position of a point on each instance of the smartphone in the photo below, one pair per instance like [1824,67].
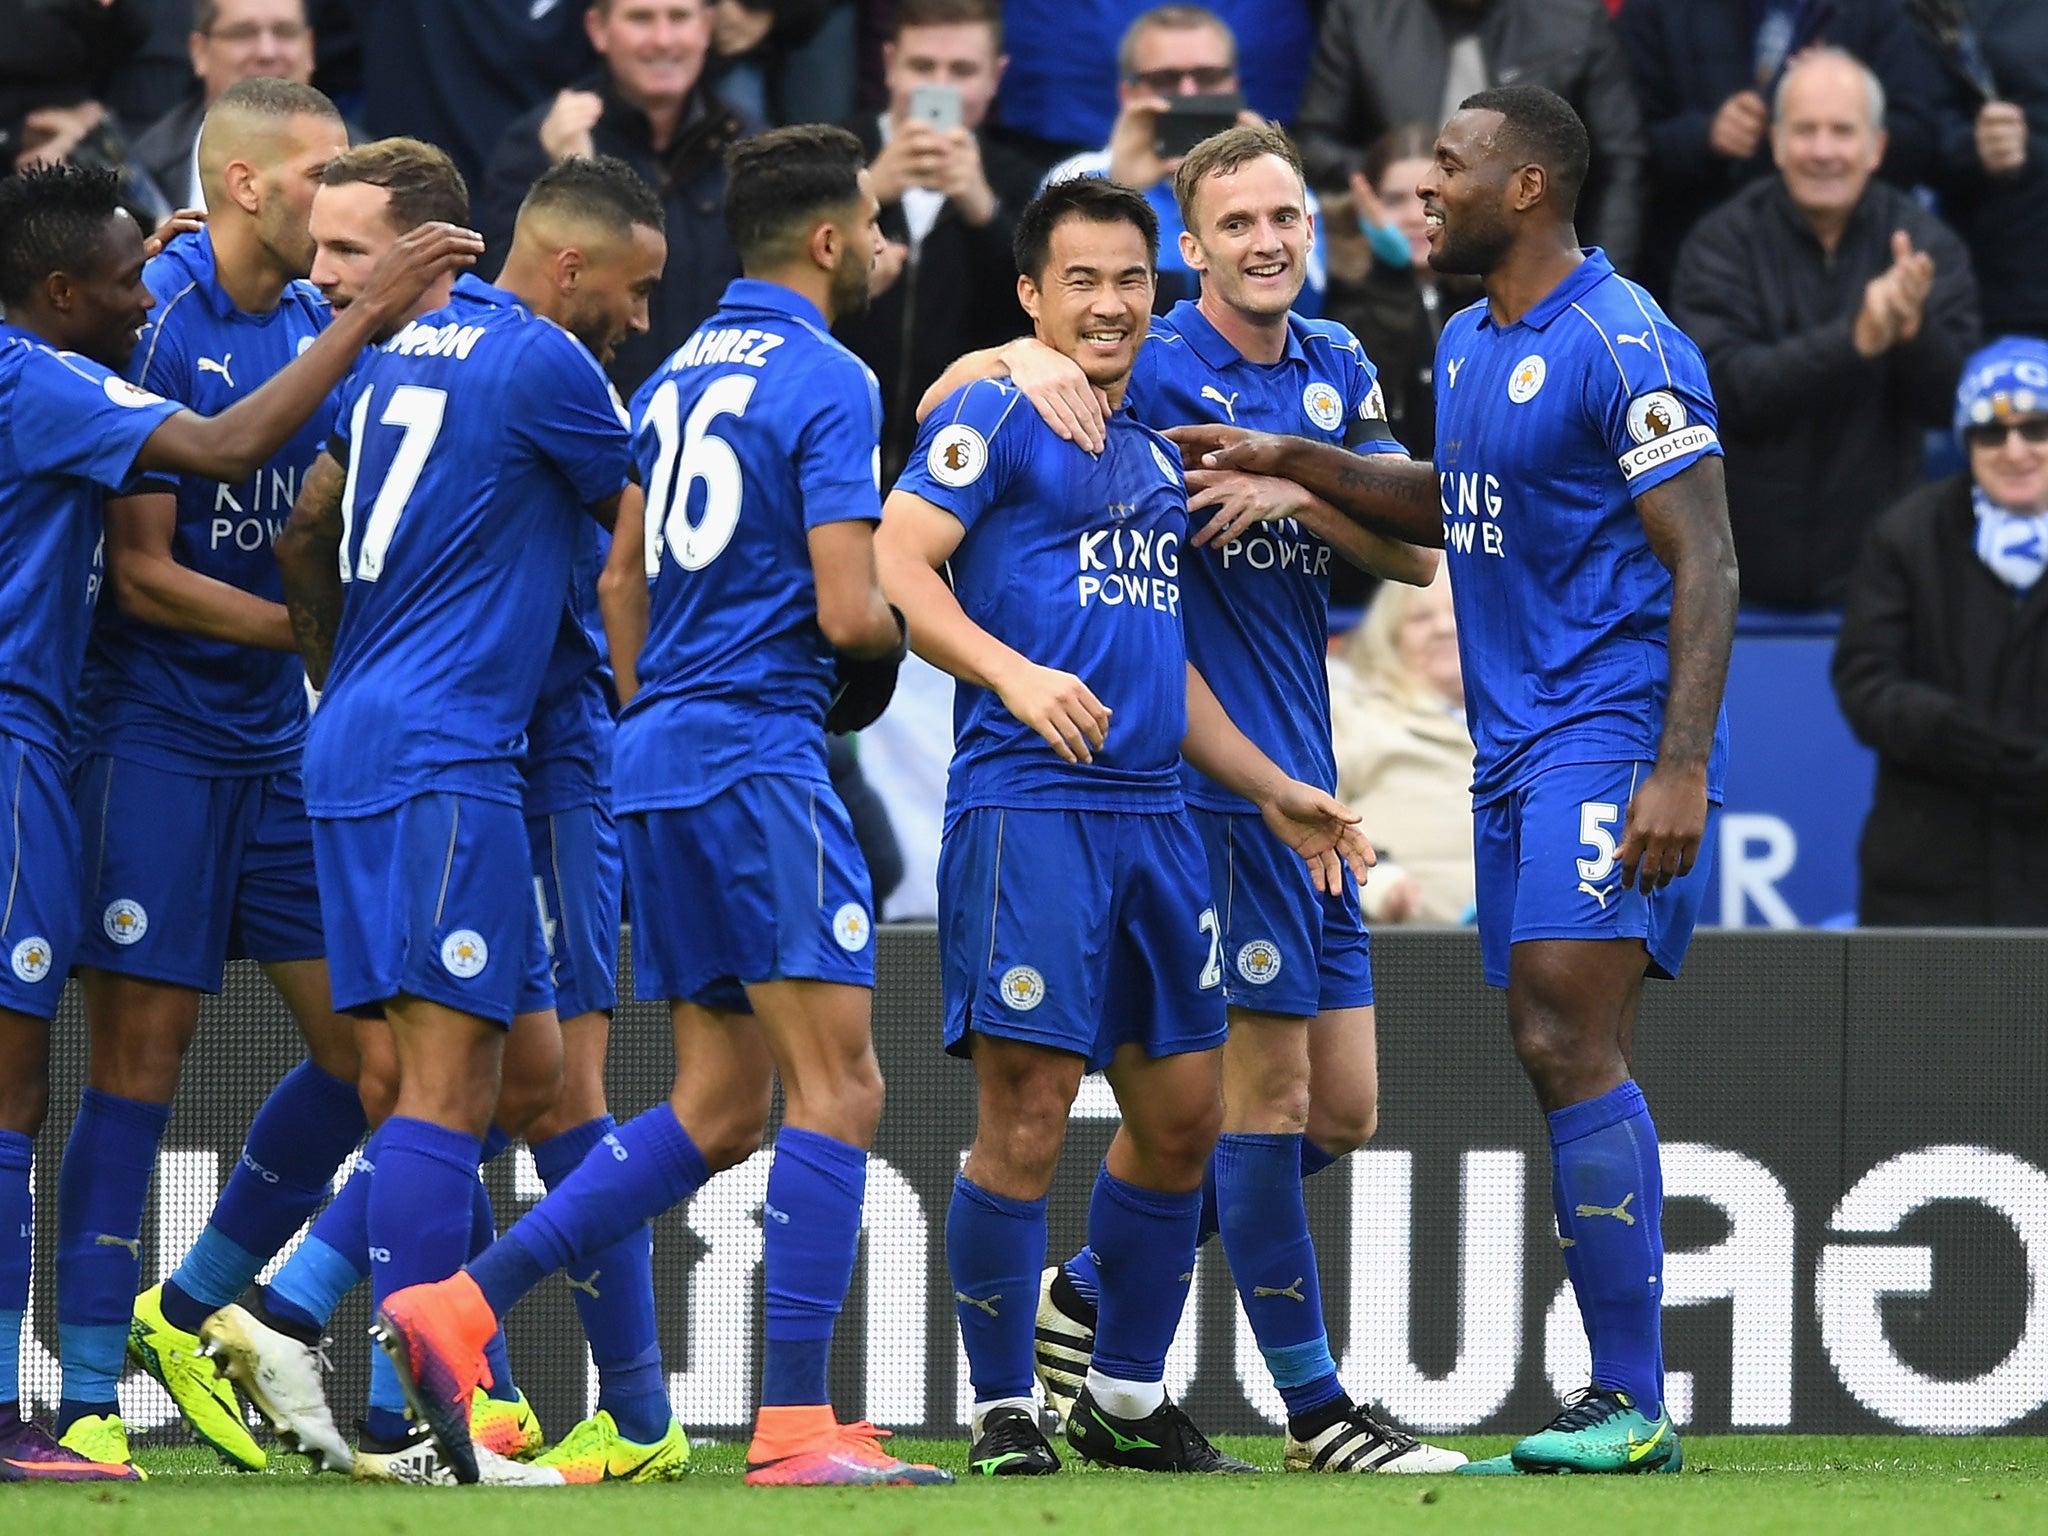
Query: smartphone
[1188,120]
[936,105]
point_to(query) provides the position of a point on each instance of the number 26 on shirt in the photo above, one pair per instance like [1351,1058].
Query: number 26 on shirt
[691,452]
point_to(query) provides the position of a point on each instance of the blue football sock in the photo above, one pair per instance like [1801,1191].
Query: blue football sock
[1081,1268]
[994,1248]
[1613,1187]
[101,1191]
[483,1231]
[496,1140]
[1086,1279]
[644,1168]
[1265,1237]
[421,1206]
[614,1291]
[811,1237]
[308,1124]
[17,1229]
[1314,1159]
[1144,1246]
[335,1257]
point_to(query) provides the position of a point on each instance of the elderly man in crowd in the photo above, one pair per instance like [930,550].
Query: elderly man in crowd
[1835,314]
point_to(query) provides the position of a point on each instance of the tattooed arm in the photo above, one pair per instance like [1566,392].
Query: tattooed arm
[1393,496]
[1686,519]
[309,557]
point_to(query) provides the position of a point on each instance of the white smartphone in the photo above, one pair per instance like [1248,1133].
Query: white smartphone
[936,105]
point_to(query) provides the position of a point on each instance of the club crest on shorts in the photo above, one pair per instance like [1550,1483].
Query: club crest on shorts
[124,921]
[1324,407]
[1526,379]
[1022,987]
[850,926]
[957,455]
[465,953]
[32,958]
[1259,962]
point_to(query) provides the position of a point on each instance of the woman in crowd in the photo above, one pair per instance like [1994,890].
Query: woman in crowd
[1942,668]
[1404,755]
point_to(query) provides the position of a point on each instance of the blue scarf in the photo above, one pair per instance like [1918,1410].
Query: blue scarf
[2014,548]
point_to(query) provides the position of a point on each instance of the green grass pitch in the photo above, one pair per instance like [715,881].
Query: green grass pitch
[1732,1486]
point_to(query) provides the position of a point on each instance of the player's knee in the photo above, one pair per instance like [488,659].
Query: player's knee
[727,1129]
[24,1100]
[1342,1128]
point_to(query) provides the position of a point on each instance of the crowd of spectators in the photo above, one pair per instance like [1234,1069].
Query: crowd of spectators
[1839,199]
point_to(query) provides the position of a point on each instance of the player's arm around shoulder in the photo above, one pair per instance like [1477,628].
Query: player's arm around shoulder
[1053,382]
[1319,828]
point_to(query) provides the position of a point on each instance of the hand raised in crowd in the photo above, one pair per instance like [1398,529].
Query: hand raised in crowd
[1895,301]
[2001,138]
[919,155]
[182,222]
[1132,162]
[889,264]
[52,133]
[738,28]
[1738,128]
[566,130]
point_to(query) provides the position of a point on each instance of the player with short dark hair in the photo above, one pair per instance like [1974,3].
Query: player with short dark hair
[494,416]
[71,264]
[1300,1073]
[1578,490]
[1076,924]
[756,444]
[192,714]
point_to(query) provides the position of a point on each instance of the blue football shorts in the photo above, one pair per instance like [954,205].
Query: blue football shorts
[186,872]
[762,883]
[1546,858]
[1080,931]
[432,899]
[1287,947]
[39,863]
[577,875]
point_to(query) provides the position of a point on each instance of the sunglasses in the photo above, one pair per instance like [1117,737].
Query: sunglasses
[1993,434]
[1209,78]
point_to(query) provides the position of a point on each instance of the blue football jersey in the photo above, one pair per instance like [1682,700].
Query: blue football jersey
[1546,433]
[181,701]
[1258,608]
[1073,560]
[569,740]
[476,440]
[69,432]
[757,429]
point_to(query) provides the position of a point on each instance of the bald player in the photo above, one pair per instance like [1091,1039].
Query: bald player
[191,720]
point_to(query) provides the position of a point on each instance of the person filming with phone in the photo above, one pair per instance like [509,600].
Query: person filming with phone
[1177,84]
[949,197]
